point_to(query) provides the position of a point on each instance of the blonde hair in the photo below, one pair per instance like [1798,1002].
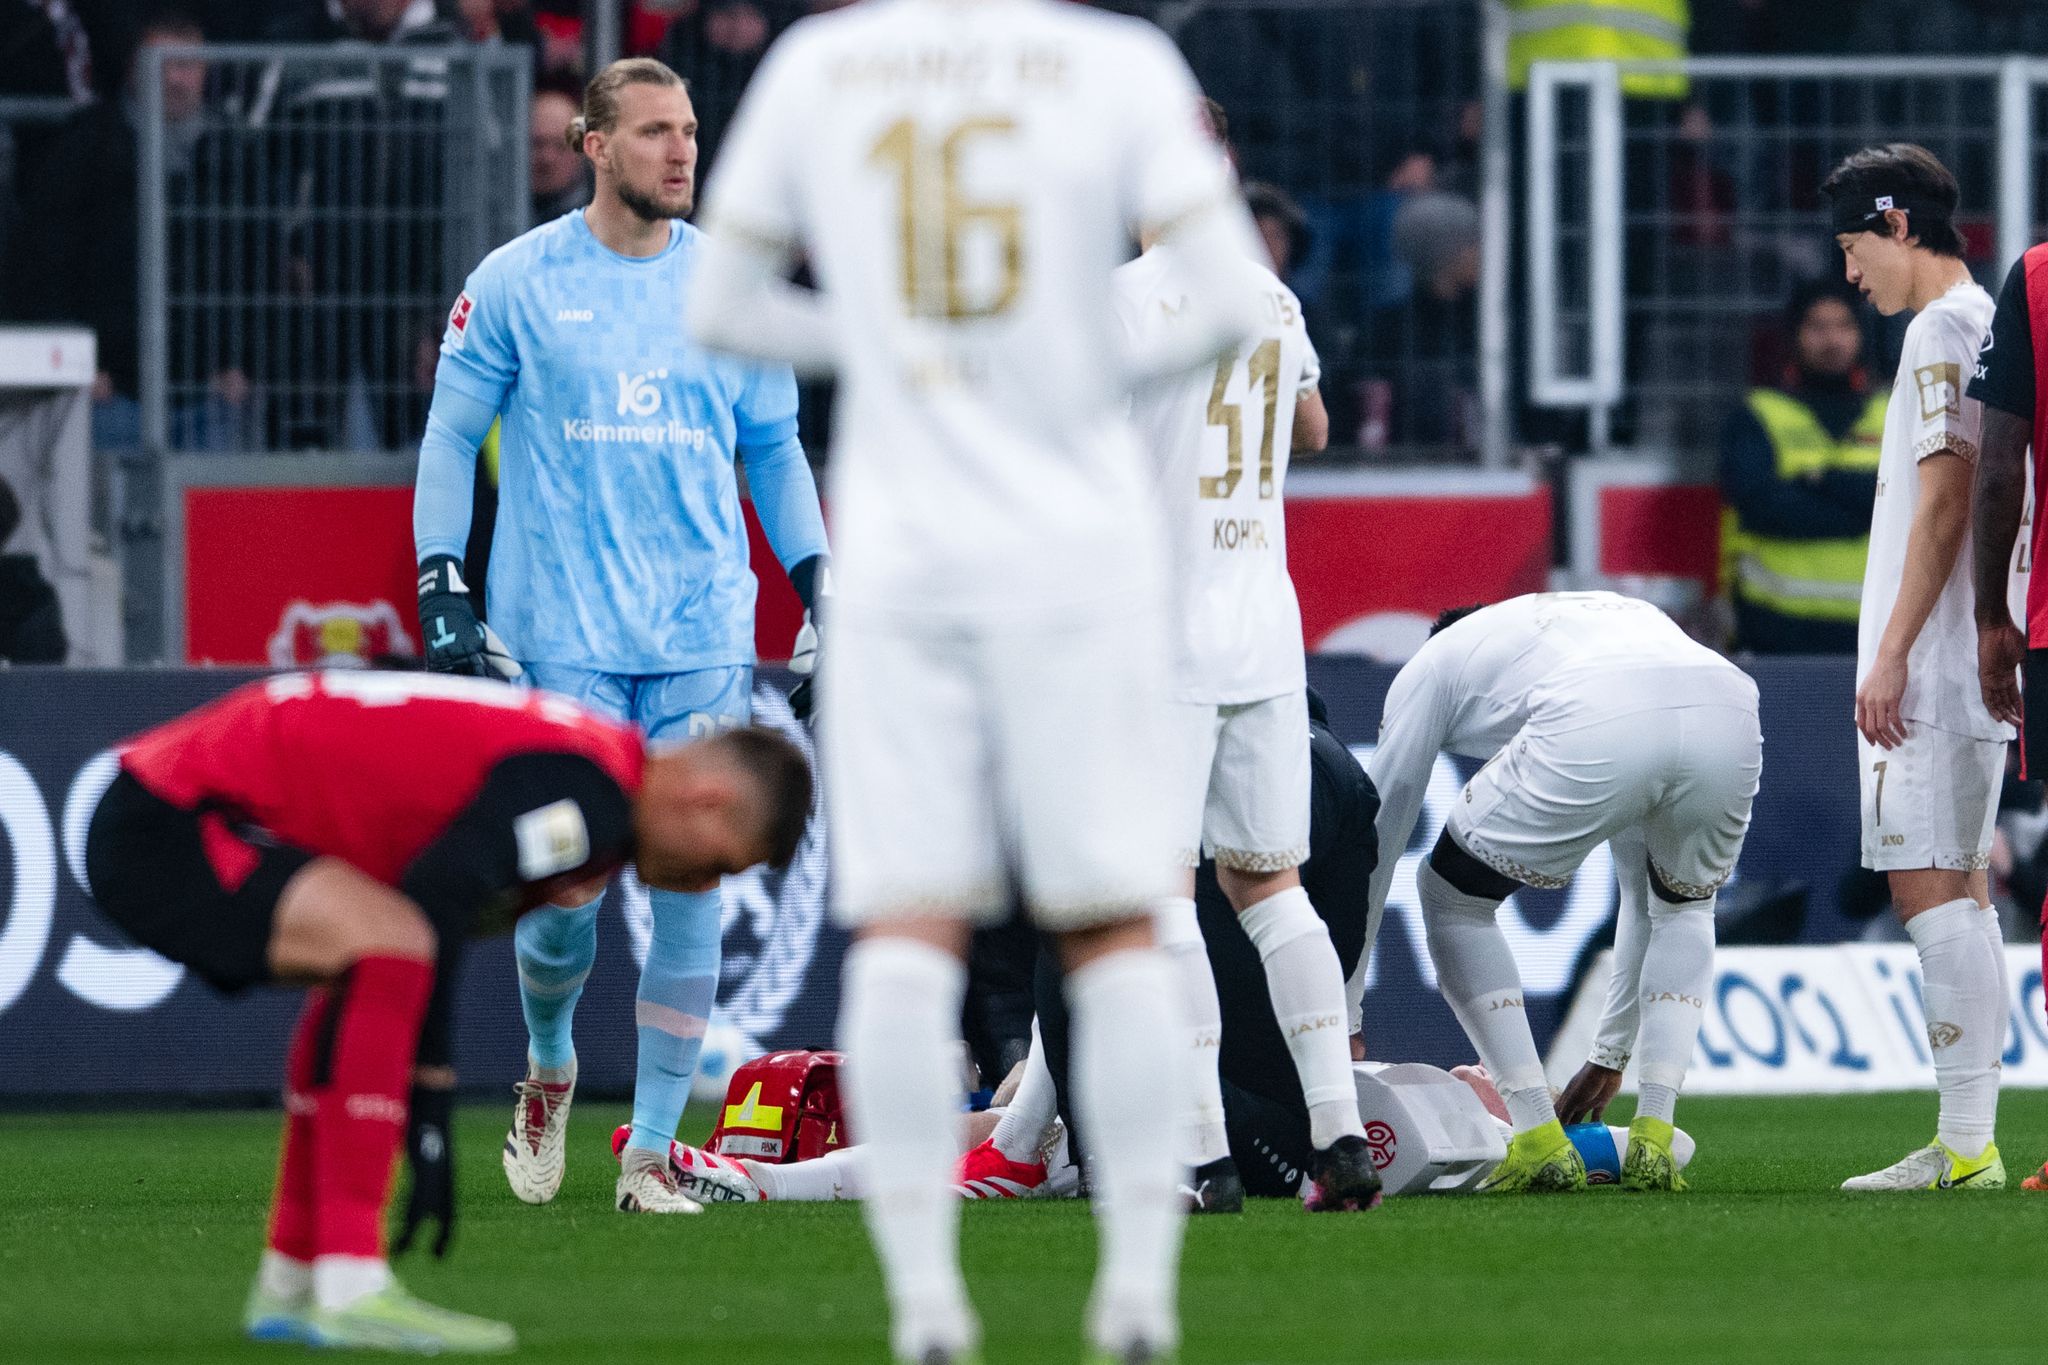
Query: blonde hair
[601,97]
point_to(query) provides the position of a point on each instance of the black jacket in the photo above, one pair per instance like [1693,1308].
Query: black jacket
[31,624]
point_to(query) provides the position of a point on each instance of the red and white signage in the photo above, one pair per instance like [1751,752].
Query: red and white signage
[298,577]
[294,577]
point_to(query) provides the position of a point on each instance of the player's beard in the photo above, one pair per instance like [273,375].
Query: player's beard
[652,208]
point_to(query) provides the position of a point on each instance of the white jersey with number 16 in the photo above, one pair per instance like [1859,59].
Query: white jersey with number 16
[964,179]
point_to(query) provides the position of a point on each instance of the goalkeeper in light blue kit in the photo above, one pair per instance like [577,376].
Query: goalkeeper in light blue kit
[619,567]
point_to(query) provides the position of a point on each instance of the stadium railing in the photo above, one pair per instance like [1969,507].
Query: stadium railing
[1356,110]
[1663,239]
[303,236]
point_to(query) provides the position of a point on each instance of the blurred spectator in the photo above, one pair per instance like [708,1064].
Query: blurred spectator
[1283,227]
[494,21]
[1424,364]
[44,50]
[368,21]
[716,46]
[31,622]
[557,173]
[1798,476]
[76,255]
[364,142]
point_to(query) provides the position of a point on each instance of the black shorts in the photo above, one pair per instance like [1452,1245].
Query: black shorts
[2034,716]
[189,885]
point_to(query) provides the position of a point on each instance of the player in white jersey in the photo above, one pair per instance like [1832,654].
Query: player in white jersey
[1931,758]
[963,178]
[1220,442]
[1596,716]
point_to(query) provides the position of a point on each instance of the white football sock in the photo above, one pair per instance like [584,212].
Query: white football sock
[1306,984]
[1127,1063]
[1202,1136]
[284,1277]
[898,1019]
[1678,966]
[1994,934]
[835,1175]
[1960,977]
[1021,1132]
[339,1281]
[1476,971]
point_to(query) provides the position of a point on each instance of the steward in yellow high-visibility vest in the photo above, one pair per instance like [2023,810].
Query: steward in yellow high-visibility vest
[1798,477]
[1602,30]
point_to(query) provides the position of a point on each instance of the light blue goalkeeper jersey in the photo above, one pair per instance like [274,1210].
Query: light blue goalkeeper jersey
[620,545]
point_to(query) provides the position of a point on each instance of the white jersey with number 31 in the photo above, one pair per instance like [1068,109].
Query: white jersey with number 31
[1220,440]
[964,178]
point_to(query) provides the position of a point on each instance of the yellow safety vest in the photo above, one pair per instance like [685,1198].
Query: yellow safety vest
[1602,30]
[1818,579]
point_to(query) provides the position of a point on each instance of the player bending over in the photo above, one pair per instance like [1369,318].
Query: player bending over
[1931,757]
[963,179]
[619,572]
[1595,714]
[289,834]
[1220,442]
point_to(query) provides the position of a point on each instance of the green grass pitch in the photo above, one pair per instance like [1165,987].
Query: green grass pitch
[131,1237]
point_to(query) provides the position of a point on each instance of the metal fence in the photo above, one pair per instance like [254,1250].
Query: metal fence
[1372,117]
[306,223]
[1664,238]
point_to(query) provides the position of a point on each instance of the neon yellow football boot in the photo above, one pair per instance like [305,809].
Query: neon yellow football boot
[1648,1164]
[393,1320]
[1540,1161]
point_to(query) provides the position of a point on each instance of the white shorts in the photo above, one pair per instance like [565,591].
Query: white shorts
[1241,782]
[1686,775]
[1931,802]
[965,764]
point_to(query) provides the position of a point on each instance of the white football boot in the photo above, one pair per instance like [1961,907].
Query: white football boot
[1936,1167]
[648,1184]
[711,1178]
[536,1150]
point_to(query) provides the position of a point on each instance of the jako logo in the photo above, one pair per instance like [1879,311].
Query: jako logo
[637,394]
[575,315]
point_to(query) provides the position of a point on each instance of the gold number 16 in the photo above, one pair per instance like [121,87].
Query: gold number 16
[934,218]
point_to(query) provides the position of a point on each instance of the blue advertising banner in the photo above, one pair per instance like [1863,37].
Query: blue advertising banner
[85,1015]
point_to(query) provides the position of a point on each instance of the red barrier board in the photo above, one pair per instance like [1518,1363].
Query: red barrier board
[1671,530]
[290,577]
[1356,558]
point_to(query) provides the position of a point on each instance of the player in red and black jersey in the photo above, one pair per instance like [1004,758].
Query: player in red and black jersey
[2011,382]
[350,831]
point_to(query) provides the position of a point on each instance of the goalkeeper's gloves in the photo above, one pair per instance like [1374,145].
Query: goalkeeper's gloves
[430,1157]
[456,641]
[812,580]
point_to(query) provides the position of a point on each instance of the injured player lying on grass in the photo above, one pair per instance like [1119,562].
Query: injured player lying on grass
[1431,1131]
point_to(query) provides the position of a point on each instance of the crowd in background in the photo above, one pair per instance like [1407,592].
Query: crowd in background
[1363,164]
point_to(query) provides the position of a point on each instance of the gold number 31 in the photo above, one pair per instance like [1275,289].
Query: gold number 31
[935,219]
[1262,368]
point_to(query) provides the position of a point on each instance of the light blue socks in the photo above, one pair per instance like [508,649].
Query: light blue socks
[556,948]
[678,986]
